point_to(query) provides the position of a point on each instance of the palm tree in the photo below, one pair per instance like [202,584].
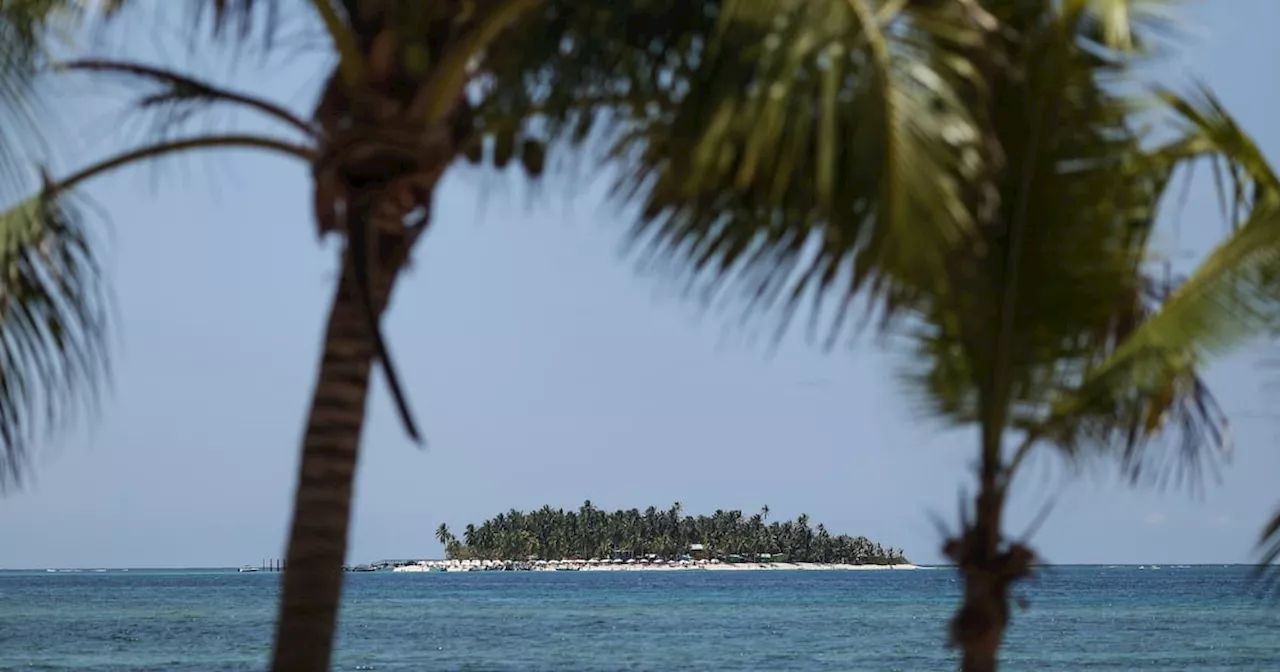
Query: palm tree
[1026,271]
[443,535]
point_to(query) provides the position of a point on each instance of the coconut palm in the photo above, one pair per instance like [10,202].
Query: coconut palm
[1033,275]
[443,535]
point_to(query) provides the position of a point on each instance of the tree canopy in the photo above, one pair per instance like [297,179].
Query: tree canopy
[590,532]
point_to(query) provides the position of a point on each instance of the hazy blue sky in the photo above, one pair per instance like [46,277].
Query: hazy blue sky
[545,370]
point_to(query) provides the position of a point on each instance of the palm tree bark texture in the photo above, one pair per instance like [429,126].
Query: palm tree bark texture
[380,161]
[330,452]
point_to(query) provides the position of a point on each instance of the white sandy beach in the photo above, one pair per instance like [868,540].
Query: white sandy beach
[742,566]
[635,566]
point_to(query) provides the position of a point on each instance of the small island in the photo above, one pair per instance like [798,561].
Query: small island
[593,539]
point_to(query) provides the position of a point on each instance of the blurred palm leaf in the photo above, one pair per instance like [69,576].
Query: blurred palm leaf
[1231,298]
[1088,369]
[1082,194]
[771,145]
[53,325]
[1269,545]
[807,147]
[53,340]
[24,29]
[1148,379]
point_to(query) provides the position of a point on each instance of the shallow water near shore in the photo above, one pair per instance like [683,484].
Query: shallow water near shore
[1097,618]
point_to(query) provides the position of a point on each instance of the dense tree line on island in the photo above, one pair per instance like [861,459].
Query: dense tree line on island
[590,532]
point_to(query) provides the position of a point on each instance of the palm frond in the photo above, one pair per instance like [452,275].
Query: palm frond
[181,95]
[1078,185]
[1123,25]
[557,83]
[450,76]
[765,149]
[53,326]
[1269,554]
[237,21]
[1148,380]
[809,143]
[24,27]
[1089,187]
[350,58]
[1243,177]
[53,303]
[240,18]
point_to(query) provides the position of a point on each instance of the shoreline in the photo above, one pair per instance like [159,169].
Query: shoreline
[633,566]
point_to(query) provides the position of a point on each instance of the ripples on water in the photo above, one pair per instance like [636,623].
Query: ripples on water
[1097,618]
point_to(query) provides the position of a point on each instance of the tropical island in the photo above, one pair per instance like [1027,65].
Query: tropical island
[590,537]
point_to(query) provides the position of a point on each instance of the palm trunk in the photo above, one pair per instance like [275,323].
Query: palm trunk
[322,505]
[986,566]
[978,626]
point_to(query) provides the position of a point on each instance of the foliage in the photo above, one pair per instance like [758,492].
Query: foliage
[53,323]
[1231,298]
[778,146]
[53,301]
[590,532]
[23,32]
[1056,282]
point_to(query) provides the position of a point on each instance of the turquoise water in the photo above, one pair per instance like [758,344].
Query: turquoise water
[1097,618]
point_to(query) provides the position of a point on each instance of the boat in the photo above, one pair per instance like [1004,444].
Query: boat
[248,568]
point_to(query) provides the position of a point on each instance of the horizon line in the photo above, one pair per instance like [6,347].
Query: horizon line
[92,568]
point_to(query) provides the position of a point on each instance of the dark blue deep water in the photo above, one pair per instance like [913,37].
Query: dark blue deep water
[1096,618]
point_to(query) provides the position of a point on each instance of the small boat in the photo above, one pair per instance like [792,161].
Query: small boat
[248,568]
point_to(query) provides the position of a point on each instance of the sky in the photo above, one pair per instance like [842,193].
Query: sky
[545,369]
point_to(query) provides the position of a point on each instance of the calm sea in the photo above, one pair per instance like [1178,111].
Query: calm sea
[1097,618]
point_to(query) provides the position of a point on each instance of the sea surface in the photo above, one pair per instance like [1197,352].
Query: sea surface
[1094,618]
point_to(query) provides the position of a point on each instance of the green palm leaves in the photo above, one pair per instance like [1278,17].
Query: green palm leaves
[53,325]
[52,301]
[53,298]
[816,148]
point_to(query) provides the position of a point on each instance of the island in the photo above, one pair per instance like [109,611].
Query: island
[590,538]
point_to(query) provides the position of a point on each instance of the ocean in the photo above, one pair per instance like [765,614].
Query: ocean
[1095,618]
